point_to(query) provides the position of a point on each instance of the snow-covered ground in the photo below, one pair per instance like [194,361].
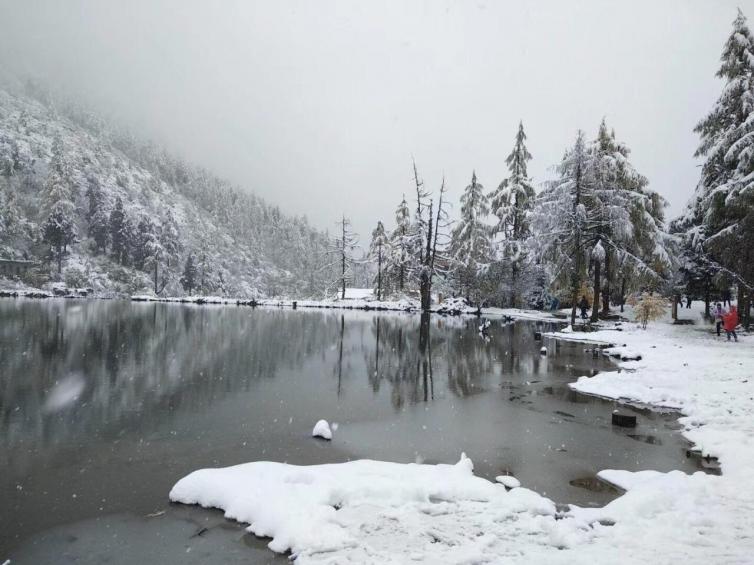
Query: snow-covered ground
[376,512]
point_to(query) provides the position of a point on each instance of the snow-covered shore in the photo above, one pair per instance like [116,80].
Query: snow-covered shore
[375,512]
[450,307]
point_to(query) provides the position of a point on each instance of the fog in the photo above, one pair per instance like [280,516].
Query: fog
[320,106]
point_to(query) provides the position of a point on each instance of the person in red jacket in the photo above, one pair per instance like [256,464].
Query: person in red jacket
[730,321]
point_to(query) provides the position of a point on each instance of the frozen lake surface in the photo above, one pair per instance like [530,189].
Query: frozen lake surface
[104,405]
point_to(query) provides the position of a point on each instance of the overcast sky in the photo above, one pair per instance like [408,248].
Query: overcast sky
[319,106]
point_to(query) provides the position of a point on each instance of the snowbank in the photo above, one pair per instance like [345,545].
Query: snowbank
[374,512]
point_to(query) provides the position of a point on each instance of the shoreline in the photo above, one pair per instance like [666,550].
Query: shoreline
[405,306]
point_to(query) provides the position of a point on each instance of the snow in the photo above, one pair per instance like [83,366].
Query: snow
[508,481]
[322,429]
[375,512]
[380,512]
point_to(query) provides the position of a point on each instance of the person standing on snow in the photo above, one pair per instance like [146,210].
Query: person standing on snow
[584,306]
[717,313]
[730,321]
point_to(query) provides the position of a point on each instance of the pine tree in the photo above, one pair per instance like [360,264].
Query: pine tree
[511,203]
[378,250]
[120,233]
[188,278]
[99,230]
[399,260]
[145,242]
[59,232]
[470,243]
[170,237]
[562,219]
[58,229]
[718,224]
[94,198]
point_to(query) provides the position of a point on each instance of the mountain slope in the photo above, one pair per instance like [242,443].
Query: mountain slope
[240,245]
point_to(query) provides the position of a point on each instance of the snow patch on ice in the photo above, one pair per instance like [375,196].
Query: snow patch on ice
[322,429]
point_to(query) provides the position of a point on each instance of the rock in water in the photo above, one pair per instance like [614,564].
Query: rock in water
[322,429]
[624,420]
[543,350]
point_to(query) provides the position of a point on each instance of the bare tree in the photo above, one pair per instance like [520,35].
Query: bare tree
[341,249]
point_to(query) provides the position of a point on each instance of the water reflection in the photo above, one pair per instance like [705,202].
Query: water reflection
[104,404]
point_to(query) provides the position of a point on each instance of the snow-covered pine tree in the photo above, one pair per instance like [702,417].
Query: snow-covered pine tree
[562,219]
[99,230]
[170,237]
[611,201]
[511,204]
[399,259]
[145,241]
[58,228]
[378,250]
[120,233]
[188,278]
[719,221]
[470,242]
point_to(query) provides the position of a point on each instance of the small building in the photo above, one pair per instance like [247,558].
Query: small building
[15,268]
[359,294]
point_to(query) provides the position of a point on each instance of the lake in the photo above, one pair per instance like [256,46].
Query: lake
[104,405]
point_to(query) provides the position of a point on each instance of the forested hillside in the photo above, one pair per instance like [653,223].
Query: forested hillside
[95,207]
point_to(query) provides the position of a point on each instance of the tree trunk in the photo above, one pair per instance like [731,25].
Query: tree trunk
[596,298]
[706,297]
[343,274]
[622,293]
[676,300]
[425,289]
[514,276]
[743,305]
[606,290]
[379,274]
[155,276]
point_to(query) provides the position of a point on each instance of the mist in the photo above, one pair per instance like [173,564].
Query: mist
[320,107]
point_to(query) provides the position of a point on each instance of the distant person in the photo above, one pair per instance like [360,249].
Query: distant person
[688,301]
[584,306]
[717,313]
[726,297]
[730,321]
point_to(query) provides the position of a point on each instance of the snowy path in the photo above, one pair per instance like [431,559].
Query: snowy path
[374,512]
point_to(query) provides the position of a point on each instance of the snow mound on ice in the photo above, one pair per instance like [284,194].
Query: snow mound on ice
[372,511]
[508,481]
[322,429]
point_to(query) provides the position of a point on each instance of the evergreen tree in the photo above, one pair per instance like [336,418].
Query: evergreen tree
[59,232]
[470,243]
[511,203]
[99,230]
[399,259]
[562,219]
[145,242]
[58,229]
[719,220]
[120,233]
[378,250]
[188,278]
[94,198]
[170,237]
